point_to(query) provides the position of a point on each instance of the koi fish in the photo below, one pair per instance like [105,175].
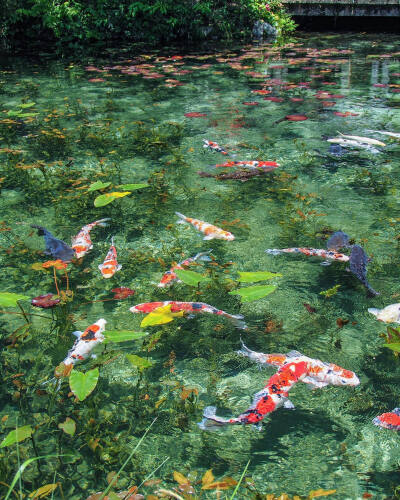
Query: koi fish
[214,146]
[319,373]
[353,143]
[170,276]
[209,230]
[83,345]
[358,266]
[294,367]
[389,314]
[270,165]
[55,247]
[363,140]
[338,240]
[311,252]
[82,243]
[389,420]
[273,396]
[110,265]
[395,135]
[190,308]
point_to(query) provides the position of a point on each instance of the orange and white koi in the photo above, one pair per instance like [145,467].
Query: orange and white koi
[389,420]
[170,276]
[264,165]
[311,252]
[213,146]
[110,265]
[319,373]
[83,345]
[211,232]
[82,243]
[293,367]
[189,308]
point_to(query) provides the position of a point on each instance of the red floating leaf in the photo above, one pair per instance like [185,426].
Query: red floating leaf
[274,99]
[296,118]
[251,103]
[45,301]
[195,114]
[122,293]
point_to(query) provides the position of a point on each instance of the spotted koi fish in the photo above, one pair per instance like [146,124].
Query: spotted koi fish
[110,265]
[311,252]
[211,232]
[319,373]
[170,276]
[265,165]
[84,344]
[293,368]
[82,243]
[213,146]
[189,308]
[389,420]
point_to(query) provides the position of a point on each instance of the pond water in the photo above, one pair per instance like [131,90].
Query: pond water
[132,117]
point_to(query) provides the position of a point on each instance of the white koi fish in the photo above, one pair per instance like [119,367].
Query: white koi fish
[311,252]
[389,314]
[363,140]
[353,144]
[82,243]
[110,265]
[170,276]
[211,232]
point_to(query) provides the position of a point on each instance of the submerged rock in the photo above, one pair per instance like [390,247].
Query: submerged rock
[262,29]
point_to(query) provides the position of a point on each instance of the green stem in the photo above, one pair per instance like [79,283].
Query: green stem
[23,312]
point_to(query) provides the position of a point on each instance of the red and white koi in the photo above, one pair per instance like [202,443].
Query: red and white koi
[389,420]
[293,367]
[84,344]
[211,232]
[213,146]
[170,276]
[189,308]
[82,243]
[110,265]
[319,373]
[264,165]
[389,314]
[311,252]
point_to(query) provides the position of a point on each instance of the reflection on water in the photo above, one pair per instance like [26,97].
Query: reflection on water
[142,118]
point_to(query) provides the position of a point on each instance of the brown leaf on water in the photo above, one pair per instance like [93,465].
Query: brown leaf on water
[341,322]
[223,484]
[309,308]
[43,491]
[320,493]
[208,477]
[180,478]
[187,391]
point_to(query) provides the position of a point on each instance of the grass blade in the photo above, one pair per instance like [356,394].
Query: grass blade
[240,481]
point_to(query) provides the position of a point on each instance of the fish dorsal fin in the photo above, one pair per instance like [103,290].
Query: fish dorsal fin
[77,334]
[294,354]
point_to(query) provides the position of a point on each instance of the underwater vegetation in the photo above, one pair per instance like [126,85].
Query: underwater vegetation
[120,327]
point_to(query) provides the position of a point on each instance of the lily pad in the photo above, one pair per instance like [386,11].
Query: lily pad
[82,384]
[27,105]
[394,347]
[9,299]
[251,293]
[123,335]
[69,426]
[132,187]
[98,185]
[17,435]
[140,363]
[190,277]
[104,199]
[160,316]
[256,276]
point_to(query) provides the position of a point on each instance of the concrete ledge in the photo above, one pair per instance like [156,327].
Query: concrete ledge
[368,8]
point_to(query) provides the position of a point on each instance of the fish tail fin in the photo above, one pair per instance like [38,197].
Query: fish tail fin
[103,222]
[181,217]
[203,256]
[374,311]
[371,291]
[238,321]
[211,422]
[244,351]
[41,230]
[273,251]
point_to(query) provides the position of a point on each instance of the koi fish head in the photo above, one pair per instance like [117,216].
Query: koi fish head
[166,279]
[228,236]
[80,250]
[339,376]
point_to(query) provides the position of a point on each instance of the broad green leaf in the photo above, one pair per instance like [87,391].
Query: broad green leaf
[253,292]
[104,199]
[140,363]
[132,187]
[256,276]
[43,491]
[9,299]
[394,347]
[20,114]
[82,384]
[160,316]
[190,277]
[69,426]
[98,185]
[17,435]
[123,335]
[330,292]
[27,105]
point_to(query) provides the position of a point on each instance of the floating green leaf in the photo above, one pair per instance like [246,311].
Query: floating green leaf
[190,277]
[160,316]
[9,299]
[82,384]
[256,276]
[20,114]
[27,105]
[98,185]
[132,187]
[394,347]
[123,335]
[330,292]
[69,426]
[253,292]
[43,491]
[17,435]
[140,363]
[104,199]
